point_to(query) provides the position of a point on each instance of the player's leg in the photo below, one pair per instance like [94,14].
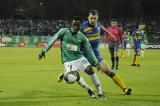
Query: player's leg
[135,55]
[128,49]
[83,84]
[128,52]
[142,50]
[124,50]
[115,77]
[138,57]
[111,50]
[142,53]
[107,70]
[85,66]
[73,66]
[116,48]
[95,81]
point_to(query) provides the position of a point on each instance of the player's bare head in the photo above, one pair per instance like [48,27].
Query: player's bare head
[141,26]
[113,22]
[93,17]
[76,23]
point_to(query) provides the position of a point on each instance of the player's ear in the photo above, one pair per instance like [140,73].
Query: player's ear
[88,17]
[97,17]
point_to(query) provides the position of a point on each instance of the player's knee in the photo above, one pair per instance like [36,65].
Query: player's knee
[111,74]
[104,67]
[89,70]
[138,52]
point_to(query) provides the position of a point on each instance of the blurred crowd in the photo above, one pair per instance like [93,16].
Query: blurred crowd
[49,27]
[30,27]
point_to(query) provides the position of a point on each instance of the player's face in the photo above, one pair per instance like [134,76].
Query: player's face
[92,19]
[141,27]
[76,25]
[113,23]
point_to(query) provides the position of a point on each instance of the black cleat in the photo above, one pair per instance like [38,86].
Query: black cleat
[113,67]
[128,91]
[133,64]
[117,67]
[102,96]
[138,65]
[60,77]
[91,93]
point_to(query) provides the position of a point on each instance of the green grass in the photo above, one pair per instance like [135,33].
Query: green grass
[26,81]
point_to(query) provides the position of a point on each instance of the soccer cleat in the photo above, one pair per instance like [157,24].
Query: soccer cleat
[117,67]
[102,96]
[128,91]
[138,65]
[91,93]
[60,77]
[133,64]
[113,67]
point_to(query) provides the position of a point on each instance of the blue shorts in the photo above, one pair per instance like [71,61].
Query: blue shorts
[137,46]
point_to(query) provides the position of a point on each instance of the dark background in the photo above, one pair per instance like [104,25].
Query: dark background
[66,9]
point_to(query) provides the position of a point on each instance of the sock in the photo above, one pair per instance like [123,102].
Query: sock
[118,80]
[137,59]
[124,53]
[117,61]
[134,59]
[113,61]
[96,82]
[128,52]
[142,52]
[83,84]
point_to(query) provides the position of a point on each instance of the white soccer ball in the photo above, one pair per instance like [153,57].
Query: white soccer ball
[71,77]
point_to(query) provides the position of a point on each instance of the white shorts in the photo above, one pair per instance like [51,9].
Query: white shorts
[76,65]
[143,46]
[128,46]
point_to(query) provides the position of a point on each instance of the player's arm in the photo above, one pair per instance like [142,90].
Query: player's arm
[106,31]
[121,34]
[49,44]
[89,50]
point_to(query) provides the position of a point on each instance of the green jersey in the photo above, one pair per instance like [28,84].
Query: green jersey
[129,39]
[144,41]
[71,45]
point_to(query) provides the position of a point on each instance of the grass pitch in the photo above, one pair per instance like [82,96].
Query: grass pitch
[26,81]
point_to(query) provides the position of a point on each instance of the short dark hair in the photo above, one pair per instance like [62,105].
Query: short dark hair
[93,12]
[113,20]
[77,18]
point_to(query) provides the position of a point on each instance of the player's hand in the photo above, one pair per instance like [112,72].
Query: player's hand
[41,55]
[114,38]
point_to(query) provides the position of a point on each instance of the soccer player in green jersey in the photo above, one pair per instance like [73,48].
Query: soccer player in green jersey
[72,40]
[143,43]
[126,46]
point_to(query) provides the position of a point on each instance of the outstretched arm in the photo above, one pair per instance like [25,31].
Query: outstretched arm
[47,46]
[105,30]
[89,50]
[51,41]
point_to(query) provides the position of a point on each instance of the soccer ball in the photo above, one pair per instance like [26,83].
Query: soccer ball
[71,77]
